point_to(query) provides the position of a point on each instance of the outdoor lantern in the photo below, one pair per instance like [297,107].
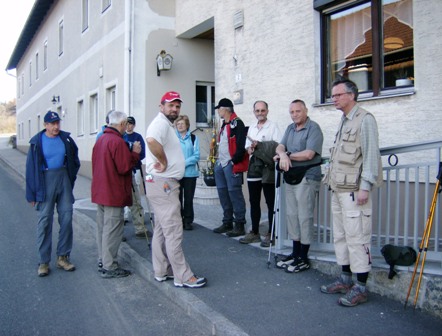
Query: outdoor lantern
[55,99]
[164,62]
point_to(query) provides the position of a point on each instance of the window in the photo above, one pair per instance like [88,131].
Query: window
[93,113]
[36,66]
[45,55]
[18,86]
[80,118]
[111,93]
[60,38]
[30,73]
[105,4]
[205,103]
[85,15]
[369,42]
[22,84]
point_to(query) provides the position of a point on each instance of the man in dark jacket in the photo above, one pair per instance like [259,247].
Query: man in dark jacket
[232,161]
[51,170]
[112,165]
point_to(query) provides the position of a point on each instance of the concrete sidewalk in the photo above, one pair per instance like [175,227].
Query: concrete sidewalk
[245,296]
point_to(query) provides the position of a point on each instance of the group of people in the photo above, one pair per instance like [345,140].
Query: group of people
[172,155]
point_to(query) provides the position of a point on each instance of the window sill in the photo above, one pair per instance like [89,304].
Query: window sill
[391,93]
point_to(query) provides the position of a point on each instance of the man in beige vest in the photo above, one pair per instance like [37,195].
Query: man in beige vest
[355,169]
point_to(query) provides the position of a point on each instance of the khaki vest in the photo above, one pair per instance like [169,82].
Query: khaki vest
[346,157]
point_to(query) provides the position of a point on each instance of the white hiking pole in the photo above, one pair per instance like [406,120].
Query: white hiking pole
[275,214]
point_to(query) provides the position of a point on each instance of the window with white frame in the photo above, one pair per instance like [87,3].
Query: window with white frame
[205,103]
[105,4]
[30,73]
[111,94]
[85,15]
[60,38]
[36,66]
[45,55]
[80,118]
[370,42]
[93,113]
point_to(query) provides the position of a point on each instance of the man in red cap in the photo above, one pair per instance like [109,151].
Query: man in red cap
[164,168]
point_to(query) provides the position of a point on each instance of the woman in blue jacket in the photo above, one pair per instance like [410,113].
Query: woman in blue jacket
[191,150]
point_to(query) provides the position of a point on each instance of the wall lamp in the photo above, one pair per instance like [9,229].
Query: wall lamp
[55,99]
[164,62]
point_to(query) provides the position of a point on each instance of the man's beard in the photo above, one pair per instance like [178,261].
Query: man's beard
[172,118]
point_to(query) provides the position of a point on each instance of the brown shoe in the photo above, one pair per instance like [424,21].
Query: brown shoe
[64,263]
[43,270]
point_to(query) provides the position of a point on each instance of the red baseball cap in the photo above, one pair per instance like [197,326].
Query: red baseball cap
[171,96]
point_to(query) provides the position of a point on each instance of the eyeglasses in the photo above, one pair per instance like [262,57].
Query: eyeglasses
[338,95]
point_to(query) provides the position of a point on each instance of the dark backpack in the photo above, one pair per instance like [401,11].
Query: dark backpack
[398,255]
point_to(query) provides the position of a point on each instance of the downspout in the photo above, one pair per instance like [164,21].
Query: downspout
[128,16]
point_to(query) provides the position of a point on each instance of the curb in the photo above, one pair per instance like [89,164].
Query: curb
[207,319]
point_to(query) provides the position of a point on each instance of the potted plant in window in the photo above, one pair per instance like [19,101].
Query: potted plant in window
[402,78]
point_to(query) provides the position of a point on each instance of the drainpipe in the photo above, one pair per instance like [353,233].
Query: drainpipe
[128,16]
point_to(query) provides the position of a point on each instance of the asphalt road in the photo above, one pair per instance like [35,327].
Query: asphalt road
[71,303]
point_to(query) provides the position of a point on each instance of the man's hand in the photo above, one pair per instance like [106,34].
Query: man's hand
[136,147]
[159,167]
[362,197]
[284,162]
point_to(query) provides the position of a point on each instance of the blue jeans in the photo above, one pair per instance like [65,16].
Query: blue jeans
[58,192]
[229,187]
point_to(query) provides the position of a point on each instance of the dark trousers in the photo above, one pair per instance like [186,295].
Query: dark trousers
[187,192]
[255,188]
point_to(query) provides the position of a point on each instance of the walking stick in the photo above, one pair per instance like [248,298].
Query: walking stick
[148,209]
[425,239]
[275,213]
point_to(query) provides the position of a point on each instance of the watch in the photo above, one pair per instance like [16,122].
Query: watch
[288,153]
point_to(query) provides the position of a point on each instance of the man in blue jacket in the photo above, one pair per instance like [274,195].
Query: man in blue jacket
[51,170]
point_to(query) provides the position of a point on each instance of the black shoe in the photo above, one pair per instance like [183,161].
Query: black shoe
[286,261]
[100,267]
[225,227]
[188,226]
[116,273]
[236,233]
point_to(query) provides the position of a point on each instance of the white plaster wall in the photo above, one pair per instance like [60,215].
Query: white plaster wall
[278,59]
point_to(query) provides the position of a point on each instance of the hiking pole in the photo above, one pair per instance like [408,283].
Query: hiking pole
[148,209]
[275,213]
[425,240]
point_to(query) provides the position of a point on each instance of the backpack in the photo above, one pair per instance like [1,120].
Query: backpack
[398,255]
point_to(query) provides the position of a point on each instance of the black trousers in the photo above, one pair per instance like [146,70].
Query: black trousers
[187,192]
[255,188]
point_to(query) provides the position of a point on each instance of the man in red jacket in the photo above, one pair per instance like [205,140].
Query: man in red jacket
[112,164]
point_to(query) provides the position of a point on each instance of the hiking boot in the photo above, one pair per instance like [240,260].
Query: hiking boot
[163,278]
[237,231]
[225,227]
[64,263]
[251,237]
[354,297]
[336,287]
[266,242]
[143,234]
[43,270]
[188,226]
[115,273]
[286,261]
[298,266]
[193,282]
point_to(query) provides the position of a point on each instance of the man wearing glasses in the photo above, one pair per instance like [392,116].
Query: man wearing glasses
[355,169]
